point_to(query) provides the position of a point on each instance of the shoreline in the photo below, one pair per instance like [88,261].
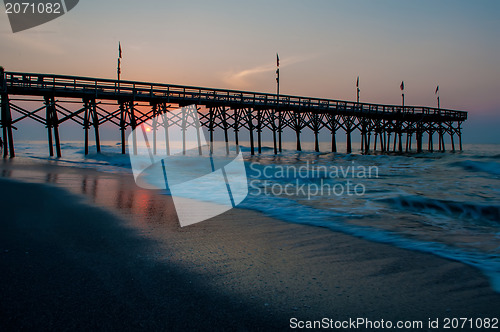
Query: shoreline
[273,270]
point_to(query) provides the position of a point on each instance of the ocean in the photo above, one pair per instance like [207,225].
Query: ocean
[446,204]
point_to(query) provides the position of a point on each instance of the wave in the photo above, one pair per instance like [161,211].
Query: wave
[290,211]
[490,167]
[445,207]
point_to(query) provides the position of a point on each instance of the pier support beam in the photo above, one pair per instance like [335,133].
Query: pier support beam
[211,117]
[333,128]
[6,123]
[297,127]
[441,138]
[363,136]
[123,126]
[459,133]
[280,130]
[273,128]
[86,125]
[133,124]
[95,122]
[166,125]
[349,147]
[90,117]
[452,141]
[316,129]
[236,127]
[250,129]
[225,126]
[259,131]
[349,128]
[155,126]
[400,137]
[52,125]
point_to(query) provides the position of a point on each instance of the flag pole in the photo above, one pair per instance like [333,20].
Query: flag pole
[118,69]
[278,76]
[357,90]
[437,92]
[402,87]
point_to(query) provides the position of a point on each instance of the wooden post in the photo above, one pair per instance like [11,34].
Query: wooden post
[224,123]
[439,142]
[280,130]
[259,130]
[395,140]
[166,125]
[452,141]
[250,128]
[95,122]
[155,126]
[400,134]
[431,142]
[316,133]
[48,120]
[349,147]
[236,126]
[273,119]
[419,138]
[367,146]
[460,135]
[196,124]
[441,137]
[297,130]
[363,131]
[4,124]
[122,126]
[388,143]
[211,128]
[133,125]
[55,123]
[86,125]
[8,139]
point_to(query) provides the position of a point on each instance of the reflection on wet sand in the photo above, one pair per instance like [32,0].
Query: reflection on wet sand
[118,193]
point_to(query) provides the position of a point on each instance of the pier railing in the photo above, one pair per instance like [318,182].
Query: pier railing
[60,85]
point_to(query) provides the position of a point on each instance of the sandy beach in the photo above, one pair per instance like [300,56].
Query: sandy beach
[81,249]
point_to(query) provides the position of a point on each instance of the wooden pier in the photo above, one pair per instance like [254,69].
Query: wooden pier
[128,104]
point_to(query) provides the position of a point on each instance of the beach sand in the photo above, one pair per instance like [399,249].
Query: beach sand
[81,249]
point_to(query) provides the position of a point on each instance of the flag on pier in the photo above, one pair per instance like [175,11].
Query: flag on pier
[357,83]
[278,68]
[437,90]
[402,86]
[118,69]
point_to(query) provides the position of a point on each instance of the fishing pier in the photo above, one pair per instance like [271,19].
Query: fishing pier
[53,100]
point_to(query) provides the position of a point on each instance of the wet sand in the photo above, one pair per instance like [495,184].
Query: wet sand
[81,249]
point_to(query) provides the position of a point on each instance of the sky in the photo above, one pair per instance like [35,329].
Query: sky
[324,45]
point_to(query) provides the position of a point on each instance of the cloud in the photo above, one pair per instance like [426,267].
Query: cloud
[243,77]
